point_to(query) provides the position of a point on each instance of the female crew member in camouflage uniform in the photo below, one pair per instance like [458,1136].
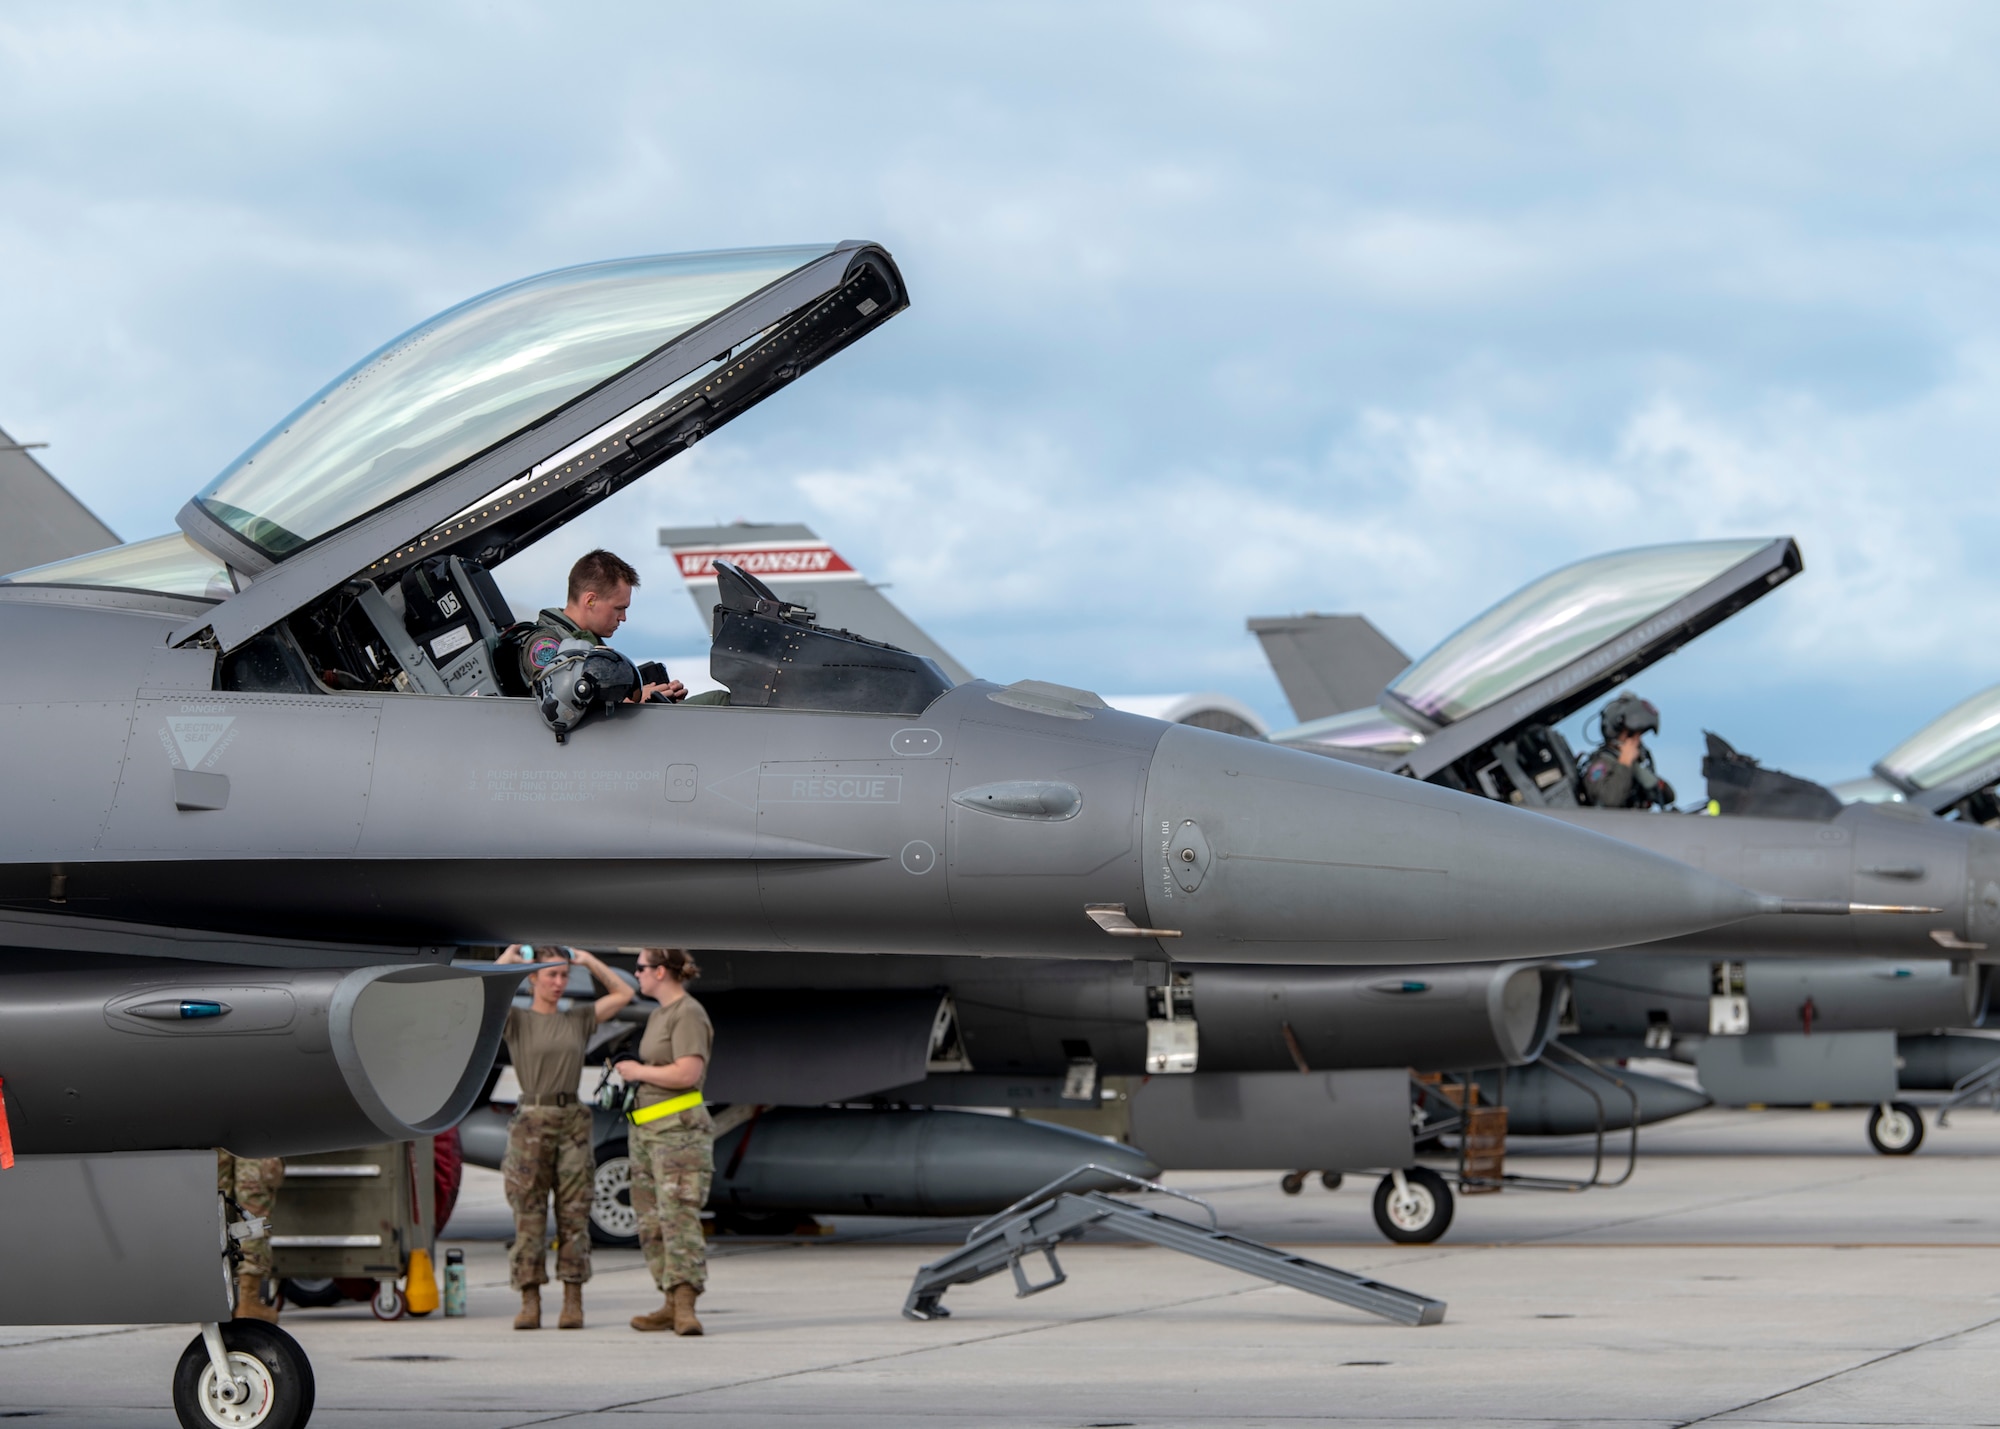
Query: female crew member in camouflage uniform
[548,1141]
[672,1140]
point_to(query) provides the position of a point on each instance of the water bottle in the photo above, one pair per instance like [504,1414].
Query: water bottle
[454,1282]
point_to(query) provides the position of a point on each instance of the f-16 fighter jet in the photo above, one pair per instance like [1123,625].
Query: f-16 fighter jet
[1479,712]
[265,772]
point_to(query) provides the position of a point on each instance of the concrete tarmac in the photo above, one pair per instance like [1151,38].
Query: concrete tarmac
[1761,1268]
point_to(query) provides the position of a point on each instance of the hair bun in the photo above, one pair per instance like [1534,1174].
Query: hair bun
[677,961]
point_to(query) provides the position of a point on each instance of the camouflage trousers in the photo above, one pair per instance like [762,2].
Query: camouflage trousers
[671,1169]
[548,1153]
[252,1182]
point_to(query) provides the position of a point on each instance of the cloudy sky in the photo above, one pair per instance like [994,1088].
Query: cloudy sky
[1219,310]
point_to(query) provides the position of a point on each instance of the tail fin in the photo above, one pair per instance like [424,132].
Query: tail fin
[44,522]
[1328,664]
[800,568]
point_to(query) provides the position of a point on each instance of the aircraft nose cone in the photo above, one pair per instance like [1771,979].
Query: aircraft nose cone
[1262,854]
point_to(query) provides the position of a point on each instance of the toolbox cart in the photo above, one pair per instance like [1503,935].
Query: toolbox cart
[348,1224]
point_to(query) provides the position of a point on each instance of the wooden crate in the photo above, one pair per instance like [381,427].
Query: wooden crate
[1485,1150]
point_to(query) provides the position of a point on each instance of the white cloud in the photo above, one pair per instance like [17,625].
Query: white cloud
[1218,309]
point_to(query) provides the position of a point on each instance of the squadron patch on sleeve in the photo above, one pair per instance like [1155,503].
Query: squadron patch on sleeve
[542,650]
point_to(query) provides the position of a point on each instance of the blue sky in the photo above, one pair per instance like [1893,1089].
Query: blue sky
[1219,310]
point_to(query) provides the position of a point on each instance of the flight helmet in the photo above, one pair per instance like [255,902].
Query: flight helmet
[1628,714]
[581,680]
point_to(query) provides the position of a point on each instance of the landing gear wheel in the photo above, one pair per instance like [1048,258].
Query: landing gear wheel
[266,1361]
[1895,1128]
[1292,1182]
[613,1222]
[765,1223]
[310,1294]
[1330,1180]
[388,1303]
[1418,1212]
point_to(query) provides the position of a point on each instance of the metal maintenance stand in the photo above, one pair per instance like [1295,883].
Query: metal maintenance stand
[1051,1215]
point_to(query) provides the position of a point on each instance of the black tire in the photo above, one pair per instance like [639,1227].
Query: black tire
[1895,1128]
[1330,1180]
[760,1223]
[311,1294]
[1292,1182]
[613,1222]
[279,1369]
[1424,1217]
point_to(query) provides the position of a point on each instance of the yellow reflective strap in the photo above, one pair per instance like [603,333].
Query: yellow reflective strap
[666,1108]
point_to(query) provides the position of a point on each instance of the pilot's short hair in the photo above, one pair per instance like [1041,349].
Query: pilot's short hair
[600,572]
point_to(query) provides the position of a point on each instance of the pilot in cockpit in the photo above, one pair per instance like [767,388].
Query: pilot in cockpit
[600,592]
[1620,773]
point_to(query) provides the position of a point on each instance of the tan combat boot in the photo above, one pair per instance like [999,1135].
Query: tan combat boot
[684,1320]
[660,1319]
[572,1310]
[530,1317]
[250,1299]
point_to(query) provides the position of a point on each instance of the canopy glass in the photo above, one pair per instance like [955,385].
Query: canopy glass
[1372,729]
[171,565]
[1866,790]
[466,380]
[1954,744]
[1554,620]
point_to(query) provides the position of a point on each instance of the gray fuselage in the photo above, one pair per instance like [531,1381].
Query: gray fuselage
[157,813]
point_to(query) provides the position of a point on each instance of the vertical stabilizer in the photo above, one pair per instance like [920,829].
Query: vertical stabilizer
[801,568]
[39,520]
[1328,664]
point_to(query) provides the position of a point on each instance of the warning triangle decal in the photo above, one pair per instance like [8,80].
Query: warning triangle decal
[197,735]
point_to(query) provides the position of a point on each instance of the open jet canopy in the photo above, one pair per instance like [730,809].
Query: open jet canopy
[163,565]
[1476,712]
[1952,763]
[486,427]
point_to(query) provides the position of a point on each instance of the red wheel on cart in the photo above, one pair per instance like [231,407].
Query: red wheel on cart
[388,1303]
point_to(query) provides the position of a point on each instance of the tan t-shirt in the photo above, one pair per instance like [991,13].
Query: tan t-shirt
[547,1048]
[680,1029]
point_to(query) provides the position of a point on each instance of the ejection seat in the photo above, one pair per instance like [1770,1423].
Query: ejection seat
[769,653]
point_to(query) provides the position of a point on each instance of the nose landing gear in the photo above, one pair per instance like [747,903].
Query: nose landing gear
[1895,1128]
[243,1374]
[1413,1207]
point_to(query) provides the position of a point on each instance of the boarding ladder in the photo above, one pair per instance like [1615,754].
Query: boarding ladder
[1043,1220]
[1980,1082]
